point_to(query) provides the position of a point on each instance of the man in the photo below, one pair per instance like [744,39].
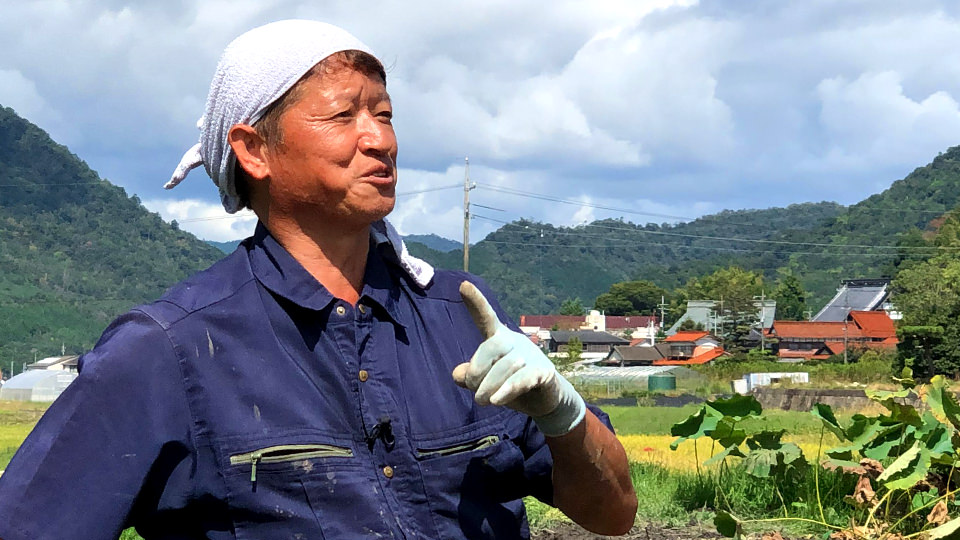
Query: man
[313,384]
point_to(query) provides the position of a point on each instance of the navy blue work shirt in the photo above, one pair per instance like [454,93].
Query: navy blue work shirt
[249,403]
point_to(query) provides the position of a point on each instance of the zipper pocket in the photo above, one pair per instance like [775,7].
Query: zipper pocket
[478,444]
[287,452]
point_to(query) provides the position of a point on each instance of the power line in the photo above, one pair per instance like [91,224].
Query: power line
[709,248]
[574,202]
[925,250]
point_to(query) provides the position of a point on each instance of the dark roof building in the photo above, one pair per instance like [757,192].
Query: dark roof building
[592,341]
[636,356]
[855,295]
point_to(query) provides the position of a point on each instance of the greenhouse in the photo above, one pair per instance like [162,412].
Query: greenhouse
[36,385]
[614,381]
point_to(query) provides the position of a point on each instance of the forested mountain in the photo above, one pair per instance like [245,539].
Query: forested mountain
[434,242]
[226,247]
[75,250]
[536,266]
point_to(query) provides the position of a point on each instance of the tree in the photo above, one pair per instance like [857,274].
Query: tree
[572,307]
[573,354]
[630,298]
[733,289]
[791,298]
[928,295]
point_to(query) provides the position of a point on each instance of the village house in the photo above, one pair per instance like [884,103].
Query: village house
[630,326]
[858,295]
[809,340]
[596,345]
[56,363]
[680,349]
[703,314]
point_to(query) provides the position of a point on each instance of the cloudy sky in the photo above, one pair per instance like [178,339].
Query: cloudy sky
[650,108]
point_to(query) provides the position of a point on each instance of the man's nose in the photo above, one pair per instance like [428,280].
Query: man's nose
[375,134]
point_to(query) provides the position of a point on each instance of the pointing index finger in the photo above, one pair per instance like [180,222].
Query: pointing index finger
[483,314]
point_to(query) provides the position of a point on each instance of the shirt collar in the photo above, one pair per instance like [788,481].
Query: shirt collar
[278,271]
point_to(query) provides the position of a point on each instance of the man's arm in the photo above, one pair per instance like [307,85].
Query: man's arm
[590,473]
[591,478]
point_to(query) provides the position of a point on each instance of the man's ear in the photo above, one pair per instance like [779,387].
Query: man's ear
[250,149]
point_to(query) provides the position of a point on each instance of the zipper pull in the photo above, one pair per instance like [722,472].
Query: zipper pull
[254,458]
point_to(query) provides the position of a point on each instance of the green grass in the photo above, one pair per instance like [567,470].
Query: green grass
[16,421]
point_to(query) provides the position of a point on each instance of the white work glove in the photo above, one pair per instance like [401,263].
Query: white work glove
[509,370]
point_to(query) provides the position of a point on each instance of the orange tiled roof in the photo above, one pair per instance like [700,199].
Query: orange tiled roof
[817,330]
[874,324]
[700,359]
[834,347]
[687,335]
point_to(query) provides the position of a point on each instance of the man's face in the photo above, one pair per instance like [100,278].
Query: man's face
[337,158]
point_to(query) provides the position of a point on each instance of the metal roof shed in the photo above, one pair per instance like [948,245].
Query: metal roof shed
[36,385]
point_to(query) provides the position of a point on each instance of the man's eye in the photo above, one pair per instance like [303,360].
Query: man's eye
[385,115]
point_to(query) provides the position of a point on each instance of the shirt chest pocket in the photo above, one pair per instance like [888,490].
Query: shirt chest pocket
[474,481]
[302,489]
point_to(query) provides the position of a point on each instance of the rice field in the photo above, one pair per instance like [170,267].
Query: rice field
[655,449]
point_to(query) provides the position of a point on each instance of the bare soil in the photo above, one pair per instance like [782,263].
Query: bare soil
[570,531]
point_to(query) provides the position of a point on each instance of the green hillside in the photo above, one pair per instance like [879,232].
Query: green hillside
[75,250]
[536,266]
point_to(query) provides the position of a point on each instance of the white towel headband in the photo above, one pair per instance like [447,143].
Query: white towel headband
[255,70]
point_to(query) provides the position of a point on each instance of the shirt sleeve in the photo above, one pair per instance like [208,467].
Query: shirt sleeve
[107,452]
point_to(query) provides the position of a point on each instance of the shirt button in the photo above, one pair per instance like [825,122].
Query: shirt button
[341,310]
[363,375]
[388,471]
[362,308]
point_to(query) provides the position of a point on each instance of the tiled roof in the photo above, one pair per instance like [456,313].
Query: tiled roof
[587,336]
[874,324]
[573,322]
[814,330]
[700,359]
[563,322]
[641,354]
[687,335]
[834,347]
[808,354]
[854,295]
[620,322]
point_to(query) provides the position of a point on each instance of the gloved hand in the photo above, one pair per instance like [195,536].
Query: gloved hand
[509,370]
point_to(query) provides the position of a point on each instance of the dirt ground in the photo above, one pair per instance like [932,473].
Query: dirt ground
[569,531]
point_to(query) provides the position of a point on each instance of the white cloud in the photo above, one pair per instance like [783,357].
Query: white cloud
[204,220]
[20,94]
[664,106]
[870,120]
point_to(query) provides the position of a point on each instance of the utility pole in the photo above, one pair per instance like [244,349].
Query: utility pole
[466,213]
[663,306]
[846,315]
[762,297]
[844,341]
